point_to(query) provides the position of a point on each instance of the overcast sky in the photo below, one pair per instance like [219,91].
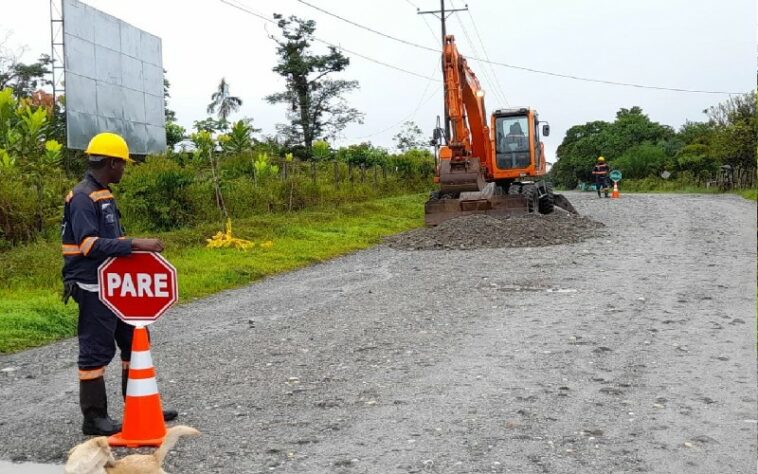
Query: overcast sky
[687,44]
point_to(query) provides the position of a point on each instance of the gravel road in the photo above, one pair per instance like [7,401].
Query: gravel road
[633,351]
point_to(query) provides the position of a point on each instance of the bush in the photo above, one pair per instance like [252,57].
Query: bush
[154,195]
[18,209]
[642,161]
[696,160]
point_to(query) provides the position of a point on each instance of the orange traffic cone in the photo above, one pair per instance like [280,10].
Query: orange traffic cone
[143,414]
[615,194]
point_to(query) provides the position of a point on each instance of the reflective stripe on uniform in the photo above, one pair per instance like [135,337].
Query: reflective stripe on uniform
[141,360]
[91,374]
[71,249]
[87,244]
[100,195]
[141,387]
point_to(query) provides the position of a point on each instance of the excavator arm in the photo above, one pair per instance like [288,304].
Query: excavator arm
[465,101]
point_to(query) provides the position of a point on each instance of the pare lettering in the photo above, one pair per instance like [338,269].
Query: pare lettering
[142,285]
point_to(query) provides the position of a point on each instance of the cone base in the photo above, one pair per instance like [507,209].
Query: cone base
[117,440]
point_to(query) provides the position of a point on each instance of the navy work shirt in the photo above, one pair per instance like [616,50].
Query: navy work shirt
[91,231]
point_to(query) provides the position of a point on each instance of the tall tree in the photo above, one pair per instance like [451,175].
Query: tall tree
[734,140]
[23,78]
[410,137]
[223,101]
[317,108]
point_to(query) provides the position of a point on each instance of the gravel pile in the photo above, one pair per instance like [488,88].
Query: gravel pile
[482,231]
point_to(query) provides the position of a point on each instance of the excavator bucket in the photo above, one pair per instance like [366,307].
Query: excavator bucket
[438,210]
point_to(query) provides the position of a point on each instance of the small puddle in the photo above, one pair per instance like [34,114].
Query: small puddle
[7,467]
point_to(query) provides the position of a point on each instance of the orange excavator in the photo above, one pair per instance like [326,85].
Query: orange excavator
[490,167]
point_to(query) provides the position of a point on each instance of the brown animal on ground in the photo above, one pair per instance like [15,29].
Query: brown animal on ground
[95,457]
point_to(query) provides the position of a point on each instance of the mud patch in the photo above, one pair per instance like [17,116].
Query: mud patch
[481,231]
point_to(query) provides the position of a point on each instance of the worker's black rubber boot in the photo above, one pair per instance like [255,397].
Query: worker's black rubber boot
[94,404]
[168,415]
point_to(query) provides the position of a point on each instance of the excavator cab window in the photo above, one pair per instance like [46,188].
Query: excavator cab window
[512,142]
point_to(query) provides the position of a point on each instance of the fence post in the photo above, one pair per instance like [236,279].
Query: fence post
[384,172]
[376,175]
[363,172]
[336,173]
[350,171]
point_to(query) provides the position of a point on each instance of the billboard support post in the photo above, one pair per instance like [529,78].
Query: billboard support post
[57,64]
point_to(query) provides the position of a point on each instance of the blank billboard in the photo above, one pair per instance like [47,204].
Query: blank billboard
[114,80]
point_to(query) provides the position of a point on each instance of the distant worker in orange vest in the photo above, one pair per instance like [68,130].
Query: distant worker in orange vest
[91,232]
[600,171]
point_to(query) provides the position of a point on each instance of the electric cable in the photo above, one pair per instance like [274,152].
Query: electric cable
[486,74]
[484,50]
[245,9]
[523,68]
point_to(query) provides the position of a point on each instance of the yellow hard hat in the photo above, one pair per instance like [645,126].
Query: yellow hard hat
[108,144]
[601,159]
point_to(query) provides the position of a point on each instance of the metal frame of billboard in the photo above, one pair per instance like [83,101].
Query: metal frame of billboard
[113,80]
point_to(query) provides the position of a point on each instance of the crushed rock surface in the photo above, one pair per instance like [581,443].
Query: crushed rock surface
[477,231]
[634,352]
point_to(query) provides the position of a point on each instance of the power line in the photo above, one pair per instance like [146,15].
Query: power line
[428,26]
[235,4]
[406,118]
[423,100]
[409,43]
[497,80]
[487,71]
[521,68]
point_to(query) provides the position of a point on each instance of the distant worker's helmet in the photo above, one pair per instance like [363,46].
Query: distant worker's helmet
[110,145]
[601,159]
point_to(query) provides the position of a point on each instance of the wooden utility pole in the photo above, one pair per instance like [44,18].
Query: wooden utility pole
[443,15]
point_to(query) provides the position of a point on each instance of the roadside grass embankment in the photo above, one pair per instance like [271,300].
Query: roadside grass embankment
[652,185]
[32,314]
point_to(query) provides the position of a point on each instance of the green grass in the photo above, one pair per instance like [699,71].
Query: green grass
[748,193]
[31,313]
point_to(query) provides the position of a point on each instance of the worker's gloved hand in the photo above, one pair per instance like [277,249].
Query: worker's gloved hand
[147,245]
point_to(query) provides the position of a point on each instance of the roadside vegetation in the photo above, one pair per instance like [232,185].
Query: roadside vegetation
[710,156]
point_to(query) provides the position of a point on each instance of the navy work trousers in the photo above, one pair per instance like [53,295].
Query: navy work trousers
[99,332]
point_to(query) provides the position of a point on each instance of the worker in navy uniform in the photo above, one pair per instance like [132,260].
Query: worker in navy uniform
[600,171]
[92,232]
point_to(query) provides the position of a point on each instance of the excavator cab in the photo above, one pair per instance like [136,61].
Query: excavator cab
[512,142]
[518,150]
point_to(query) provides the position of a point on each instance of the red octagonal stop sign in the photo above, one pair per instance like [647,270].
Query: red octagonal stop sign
[139,287]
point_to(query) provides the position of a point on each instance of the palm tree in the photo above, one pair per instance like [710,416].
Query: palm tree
[223,101]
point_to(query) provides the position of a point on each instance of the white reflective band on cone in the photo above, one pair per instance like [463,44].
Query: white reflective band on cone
[141,360]
[141,387]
